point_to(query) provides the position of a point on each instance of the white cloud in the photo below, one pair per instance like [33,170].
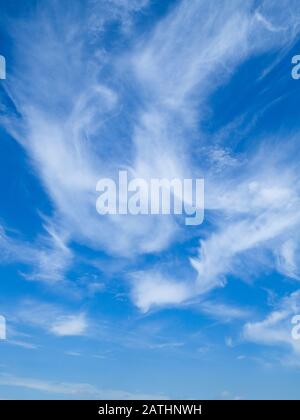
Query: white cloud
[154,289]
[276,328]
[23,344]
[73,138]
[287,258]
[122,11]
[72,134]
[227,395]
[48,258]
[72,390]
[49,317]
[70,325]
[223,311]
[259,211]
[73,353]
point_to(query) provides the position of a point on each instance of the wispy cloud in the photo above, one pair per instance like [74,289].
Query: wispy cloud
[48,258]
[276,328]
[71,390]
[70,136]
[70,325]
[51,318]
[154,289]
[24,344]
[81,112]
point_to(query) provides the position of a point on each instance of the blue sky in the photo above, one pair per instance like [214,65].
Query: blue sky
[144,306]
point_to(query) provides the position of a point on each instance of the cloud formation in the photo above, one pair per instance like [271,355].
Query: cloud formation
[81,113]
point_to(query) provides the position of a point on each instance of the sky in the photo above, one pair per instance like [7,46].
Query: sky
[129,307]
